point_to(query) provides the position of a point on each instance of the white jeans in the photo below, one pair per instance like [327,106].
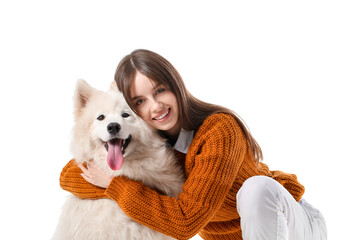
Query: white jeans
[269,212]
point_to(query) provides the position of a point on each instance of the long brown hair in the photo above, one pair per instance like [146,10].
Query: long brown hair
[192,110]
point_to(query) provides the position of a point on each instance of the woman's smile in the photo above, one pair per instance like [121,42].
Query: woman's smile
[163,116]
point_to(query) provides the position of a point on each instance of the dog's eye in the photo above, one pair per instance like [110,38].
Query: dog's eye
[125,115]
[101,117]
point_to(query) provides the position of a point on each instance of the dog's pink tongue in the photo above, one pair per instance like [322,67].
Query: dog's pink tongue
[115,157]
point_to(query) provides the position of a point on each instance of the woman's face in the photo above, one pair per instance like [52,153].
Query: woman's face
[156,104]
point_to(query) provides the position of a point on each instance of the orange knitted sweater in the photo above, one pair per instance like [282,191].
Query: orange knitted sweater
[217,163]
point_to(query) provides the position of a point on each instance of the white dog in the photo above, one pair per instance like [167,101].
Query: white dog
[107,131]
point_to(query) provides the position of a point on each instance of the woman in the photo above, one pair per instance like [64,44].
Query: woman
[228,193]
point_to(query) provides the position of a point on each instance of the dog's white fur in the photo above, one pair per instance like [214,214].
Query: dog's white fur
[146,158]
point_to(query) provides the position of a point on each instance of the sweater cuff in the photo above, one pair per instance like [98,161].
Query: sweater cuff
[117,187]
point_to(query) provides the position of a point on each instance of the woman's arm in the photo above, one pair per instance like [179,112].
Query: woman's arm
[72,181]
[217,157]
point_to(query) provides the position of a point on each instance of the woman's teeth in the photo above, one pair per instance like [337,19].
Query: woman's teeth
[162,116]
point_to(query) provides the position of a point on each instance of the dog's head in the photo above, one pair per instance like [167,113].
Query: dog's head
[105,126]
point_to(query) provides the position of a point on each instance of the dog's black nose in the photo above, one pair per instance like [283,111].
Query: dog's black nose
[113,128]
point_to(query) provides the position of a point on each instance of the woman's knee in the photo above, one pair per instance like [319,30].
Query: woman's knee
[258,187]
[257,195]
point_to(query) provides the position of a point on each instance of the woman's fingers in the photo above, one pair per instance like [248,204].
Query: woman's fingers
[95,175]
[84,169]
[86,178]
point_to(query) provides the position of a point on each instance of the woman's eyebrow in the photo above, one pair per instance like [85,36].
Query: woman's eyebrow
[136,97]
[157,85]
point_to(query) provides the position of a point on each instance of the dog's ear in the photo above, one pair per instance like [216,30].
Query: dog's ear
[113,86]
[82,95]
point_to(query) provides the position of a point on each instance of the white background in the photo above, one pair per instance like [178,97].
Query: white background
[276,63]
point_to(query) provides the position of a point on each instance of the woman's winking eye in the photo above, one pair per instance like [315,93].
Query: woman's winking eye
[160,90]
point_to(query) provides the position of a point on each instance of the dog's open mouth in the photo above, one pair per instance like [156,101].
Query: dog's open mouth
[116,148]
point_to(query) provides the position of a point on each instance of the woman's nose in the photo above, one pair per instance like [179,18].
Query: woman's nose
[156,106]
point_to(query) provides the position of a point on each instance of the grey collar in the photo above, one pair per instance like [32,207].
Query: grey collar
[184,140]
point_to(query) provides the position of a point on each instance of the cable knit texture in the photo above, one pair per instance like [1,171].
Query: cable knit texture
[217,163]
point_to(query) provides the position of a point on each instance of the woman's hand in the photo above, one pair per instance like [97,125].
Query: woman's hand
[95,176]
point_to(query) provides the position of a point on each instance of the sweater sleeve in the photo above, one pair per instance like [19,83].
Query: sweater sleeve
[212,164]
[71,180]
